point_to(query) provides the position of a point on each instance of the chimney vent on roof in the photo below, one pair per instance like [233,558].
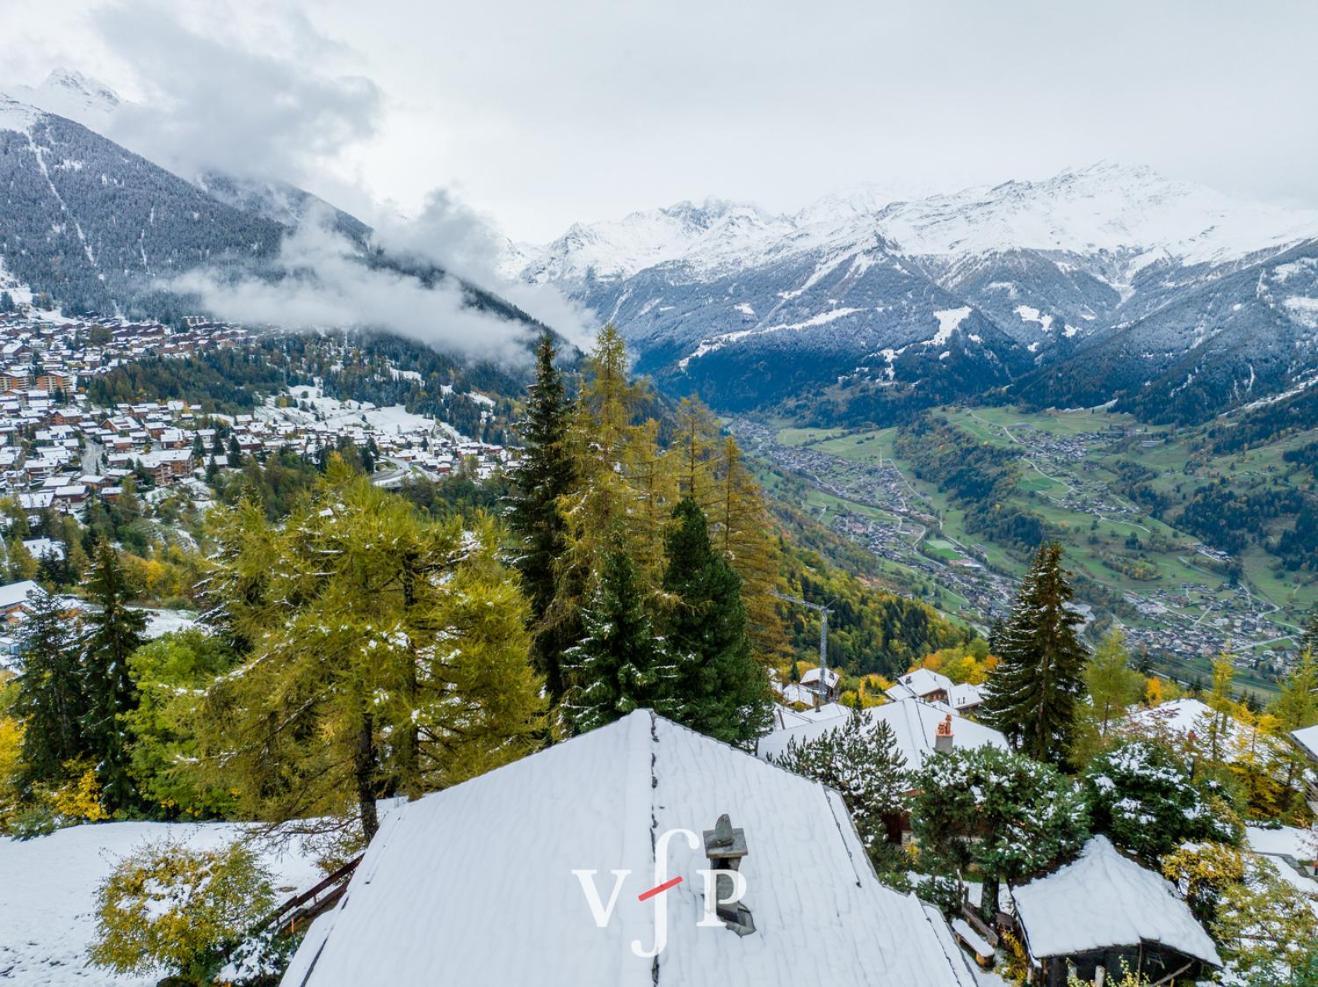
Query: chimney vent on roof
[725,846]
[943,735]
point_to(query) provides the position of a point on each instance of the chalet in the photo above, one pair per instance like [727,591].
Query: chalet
[167,465]
[465,886]
[1104,913]
[922,684]
[14,600]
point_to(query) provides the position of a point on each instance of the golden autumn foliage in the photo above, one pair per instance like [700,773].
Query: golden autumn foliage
[80,798]
[169,908]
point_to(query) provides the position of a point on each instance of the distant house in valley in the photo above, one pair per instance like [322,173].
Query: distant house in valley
[509,879]
[1105,910]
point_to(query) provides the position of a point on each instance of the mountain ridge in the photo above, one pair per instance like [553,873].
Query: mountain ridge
[712,293]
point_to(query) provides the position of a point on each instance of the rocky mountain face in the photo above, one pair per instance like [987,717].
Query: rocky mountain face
[1103,284]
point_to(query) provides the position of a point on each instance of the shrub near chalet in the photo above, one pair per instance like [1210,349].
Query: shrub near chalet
[1002,815]
[1141,796]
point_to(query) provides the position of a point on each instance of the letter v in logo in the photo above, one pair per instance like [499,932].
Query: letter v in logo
[599,911]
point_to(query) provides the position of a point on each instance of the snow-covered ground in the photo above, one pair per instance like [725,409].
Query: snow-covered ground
[162,622]
[48,886]
[339,415]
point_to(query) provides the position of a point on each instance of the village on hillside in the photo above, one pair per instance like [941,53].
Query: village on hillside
[59,450]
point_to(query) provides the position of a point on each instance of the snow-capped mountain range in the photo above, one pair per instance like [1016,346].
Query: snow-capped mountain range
[887,304]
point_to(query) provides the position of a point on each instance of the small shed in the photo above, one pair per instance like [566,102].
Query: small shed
[1105,910]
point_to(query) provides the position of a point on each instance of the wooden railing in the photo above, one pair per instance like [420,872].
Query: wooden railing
[302,908]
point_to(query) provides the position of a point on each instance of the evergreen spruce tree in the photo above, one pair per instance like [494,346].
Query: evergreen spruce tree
[50,690]
[1033,691]
[721,690]
[114,632]
[543,476]
[861,761]
[620,664]
[1309,636]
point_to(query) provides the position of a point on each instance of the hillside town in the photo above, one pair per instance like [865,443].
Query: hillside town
[60,450]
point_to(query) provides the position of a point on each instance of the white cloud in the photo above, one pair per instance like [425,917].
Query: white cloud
[451,234]
[263,99]
[325,285]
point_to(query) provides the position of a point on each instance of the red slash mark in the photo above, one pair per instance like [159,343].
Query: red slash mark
[659,889]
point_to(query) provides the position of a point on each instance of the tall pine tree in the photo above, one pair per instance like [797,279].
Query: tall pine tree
[541,479]
[1033,691]
[721,690]
[114,633]
[51,699]
[620,664]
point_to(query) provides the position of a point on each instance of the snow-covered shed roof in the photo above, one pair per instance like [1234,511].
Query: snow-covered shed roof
[831,678]
[1102,900]
[475,885]
[914,725]
[965,696]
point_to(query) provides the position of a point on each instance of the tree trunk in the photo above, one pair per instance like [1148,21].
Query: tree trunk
[988,900]
[364,770]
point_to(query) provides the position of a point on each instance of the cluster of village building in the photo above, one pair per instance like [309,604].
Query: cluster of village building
[58,450]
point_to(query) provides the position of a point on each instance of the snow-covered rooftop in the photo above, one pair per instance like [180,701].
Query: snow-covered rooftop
[914,725]
[1104,899]
[475,885]
[14,594]
[1307,738]
[919,683]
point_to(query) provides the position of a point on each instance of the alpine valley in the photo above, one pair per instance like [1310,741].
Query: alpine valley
[929,386]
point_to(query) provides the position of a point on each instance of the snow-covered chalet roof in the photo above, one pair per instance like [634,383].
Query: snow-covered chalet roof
[919,683]
[1308,740]
[475,886]
[15,594]
[831,678]
[1104,899]
[914,725]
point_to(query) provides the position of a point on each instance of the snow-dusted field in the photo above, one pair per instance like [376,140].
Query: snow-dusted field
[47,888]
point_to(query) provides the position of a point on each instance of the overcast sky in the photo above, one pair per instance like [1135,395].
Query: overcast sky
[538,114]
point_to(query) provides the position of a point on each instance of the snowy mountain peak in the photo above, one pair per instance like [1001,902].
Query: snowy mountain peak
[1106,207]
[68,93]
[1130,212]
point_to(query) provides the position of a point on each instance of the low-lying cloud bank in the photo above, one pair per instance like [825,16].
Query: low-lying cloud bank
[219,99]
[319,281]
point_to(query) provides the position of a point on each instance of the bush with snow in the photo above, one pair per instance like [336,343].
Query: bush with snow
[167,908]
[1141,795]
